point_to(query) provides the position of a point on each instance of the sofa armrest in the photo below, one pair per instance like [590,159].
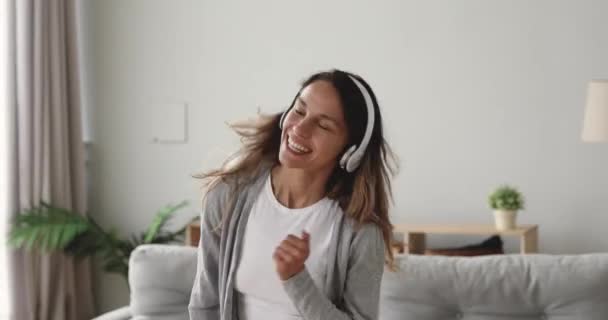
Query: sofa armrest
[161,278]
[123,313]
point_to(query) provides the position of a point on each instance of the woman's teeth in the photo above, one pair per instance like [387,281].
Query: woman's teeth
[297,147]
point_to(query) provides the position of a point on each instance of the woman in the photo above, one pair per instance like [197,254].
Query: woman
[295,225]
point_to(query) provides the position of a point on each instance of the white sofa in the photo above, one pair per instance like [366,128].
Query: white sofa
[160,279]
[425,288]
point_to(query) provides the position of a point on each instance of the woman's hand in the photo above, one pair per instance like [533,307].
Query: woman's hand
[290,255]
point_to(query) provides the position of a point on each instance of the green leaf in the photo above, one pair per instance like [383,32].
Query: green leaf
[32,235]
[88,243]
[17,238]
[506,197]
[46,228]
[44,240]
[160,220]
[69,234]
[116,266]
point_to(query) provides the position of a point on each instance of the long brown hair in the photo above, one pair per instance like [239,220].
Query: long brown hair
[364,195]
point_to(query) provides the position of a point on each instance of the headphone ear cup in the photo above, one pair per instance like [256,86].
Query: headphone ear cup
[353,161]
[346,157]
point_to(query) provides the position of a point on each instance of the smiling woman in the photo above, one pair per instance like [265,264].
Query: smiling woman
[309,190]
[4,303]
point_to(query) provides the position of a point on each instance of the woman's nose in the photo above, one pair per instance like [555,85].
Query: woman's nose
[303,128]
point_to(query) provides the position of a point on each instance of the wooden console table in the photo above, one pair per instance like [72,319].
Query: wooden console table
[415,235]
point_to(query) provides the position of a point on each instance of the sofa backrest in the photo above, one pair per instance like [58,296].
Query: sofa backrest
[496,287]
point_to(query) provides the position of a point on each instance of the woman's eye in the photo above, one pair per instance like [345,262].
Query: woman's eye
[323,126]
[299,112]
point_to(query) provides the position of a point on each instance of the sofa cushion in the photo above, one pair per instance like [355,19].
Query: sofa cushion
[496,287]
[160,279]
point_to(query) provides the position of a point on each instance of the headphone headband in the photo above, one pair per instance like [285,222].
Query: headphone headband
[352,158]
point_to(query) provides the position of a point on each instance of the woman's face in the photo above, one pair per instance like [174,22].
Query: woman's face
[314,131]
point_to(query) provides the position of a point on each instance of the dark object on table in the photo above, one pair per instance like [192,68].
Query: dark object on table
[492,245]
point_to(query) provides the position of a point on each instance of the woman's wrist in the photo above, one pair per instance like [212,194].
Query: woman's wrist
[296,277]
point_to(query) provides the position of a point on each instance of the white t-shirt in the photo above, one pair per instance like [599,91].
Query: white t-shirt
[261,294]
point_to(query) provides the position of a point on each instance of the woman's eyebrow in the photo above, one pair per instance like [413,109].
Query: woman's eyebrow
[324,116]
[302,101]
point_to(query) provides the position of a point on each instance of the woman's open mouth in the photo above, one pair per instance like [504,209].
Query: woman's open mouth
[296,147]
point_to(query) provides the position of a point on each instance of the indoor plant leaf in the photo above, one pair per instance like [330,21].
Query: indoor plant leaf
[160,220]
[46,228]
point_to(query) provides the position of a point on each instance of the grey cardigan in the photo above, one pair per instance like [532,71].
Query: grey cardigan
[351,287]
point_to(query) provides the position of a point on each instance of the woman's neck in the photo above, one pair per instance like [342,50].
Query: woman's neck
[298,188]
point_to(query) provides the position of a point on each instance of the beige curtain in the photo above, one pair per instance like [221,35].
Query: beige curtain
[48,153]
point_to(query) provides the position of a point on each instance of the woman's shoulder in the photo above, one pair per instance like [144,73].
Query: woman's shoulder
[357,227]
[217,189]
[230,184]
[361,233]
[366,230]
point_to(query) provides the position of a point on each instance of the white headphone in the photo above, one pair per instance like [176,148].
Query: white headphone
[352,157]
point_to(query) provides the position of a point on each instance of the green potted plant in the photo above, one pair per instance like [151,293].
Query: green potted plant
[506,201]
[49,228]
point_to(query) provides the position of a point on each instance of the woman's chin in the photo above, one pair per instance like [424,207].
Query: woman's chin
[293,160]
[293,163]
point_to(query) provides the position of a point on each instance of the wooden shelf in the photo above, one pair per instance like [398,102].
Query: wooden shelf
[467,229]
[415,234]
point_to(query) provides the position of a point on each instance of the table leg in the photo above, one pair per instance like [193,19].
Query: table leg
[529,241]
[416,243]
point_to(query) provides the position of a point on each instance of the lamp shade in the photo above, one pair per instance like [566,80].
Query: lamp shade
[595,125]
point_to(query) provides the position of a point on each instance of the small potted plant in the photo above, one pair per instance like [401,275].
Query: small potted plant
[506,201]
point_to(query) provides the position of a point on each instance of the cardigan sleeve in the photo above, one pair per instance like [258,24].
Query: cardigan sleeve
[204,299]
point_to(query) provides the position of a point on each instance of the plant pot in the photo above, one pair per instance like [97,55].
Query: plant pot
[505,219]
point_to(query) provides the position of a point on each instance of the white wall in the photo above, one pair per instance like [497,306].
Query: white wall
[473,94]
